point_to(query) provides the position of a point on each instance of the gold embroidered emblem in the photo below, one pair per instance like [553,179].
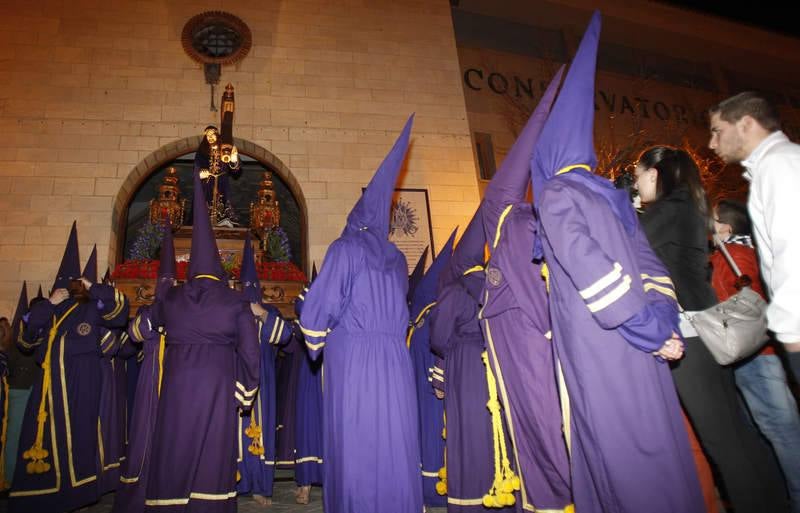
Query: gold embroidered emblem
[84,328]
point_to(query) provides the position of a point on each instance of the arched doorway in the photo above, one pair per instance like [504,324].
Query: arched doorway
[254,158]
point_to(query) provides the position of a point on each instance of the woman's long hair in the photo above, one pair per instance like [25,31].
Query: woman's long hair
[676,168]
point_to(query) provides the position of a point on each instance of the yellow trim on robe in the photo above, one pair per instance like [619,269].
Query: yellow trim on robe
[119,304]
[246,392]
[666,280]
[314,333]
[245,402]
[570,168]
[416,321]
[612,296]
[473,269]
[209,276]
[658,288]
[500,224]
[193,495]
[137,334]
[598,286]
[309,459]
[314,347]
[465,502]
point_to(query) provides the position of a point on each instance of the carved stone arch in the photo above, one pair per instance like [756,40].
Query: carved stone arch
[175,149]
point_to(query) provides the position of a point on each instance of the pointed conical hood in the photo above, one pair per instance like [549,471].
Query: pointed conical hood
[510,183]
[90,271]
[70,268]
[469,250]
[567,138]
[425,292]
[372,208]
[417,273]
[39,294]
[167,268]
[22,309]
[107,276]
[251,287]
[313,271]
[204,257]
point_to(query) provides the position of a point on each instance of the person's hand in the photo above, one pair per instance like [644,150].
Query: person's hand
[59,296]
[86,282]
[672,349]
[258,310]
[204,174]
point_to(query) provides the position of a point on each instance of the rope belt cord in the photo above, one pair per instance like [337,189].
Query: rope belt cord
[506,482]
[37,453]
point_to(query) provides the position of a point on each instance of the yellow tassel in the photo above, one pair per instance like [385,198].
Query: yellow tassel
[162,344]
[37,453]
[570,509]
[505,480]
[441,487]
[238,476]
[546,275]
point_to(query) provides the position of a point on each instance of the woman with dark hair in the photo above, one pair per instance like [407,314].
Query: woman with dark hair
[676,221]
[761,379]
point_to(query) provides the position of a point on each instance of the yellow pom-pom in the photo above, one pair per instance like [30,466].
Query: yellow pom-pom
[444,432]
[506,487]
[488,501]
[570,509]
[441,488]
[238,476]
[30,468]
[26,455]
[515,483]
[45,467]
[443,473]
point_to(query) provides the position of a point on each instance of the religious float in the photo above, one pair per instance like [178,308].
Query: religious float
[281,280]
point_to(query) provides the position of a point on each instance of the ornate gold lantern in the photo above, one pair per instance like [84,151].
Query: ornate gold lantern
[169,206]
[265,212]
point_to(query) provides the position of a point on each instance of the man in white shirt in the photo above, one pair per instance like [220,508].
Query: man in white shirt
[745,129]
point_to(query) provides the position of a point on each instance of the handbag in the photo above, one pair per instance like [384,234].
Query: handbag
[735,328]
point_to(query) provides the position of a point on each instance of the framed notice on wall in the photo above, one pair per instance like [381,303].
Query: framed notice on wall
[410,227]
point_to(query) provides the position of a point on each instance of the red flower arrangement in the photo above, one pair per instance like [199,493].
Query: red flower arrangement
[267,271]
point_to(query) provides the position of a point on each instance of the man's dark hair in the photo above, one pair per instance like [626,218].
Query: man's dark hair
[735,214]
[748,104]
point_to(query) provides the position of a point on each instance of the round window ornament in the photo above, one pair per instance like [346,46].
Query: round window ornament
[216,37]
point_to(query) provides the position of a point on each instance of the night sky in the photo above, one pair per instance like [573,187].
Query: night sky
[765,15]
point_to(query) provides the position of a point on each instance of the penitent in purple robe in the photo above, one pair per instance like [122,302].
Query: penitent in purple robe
[111,429]
[287,366]
[308,464]
[211,368]
[456,337]
[357,310]
[256,454]
[516,326]
[430,407]
[612,305]
[132,487]
[111,441]
[69,433]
